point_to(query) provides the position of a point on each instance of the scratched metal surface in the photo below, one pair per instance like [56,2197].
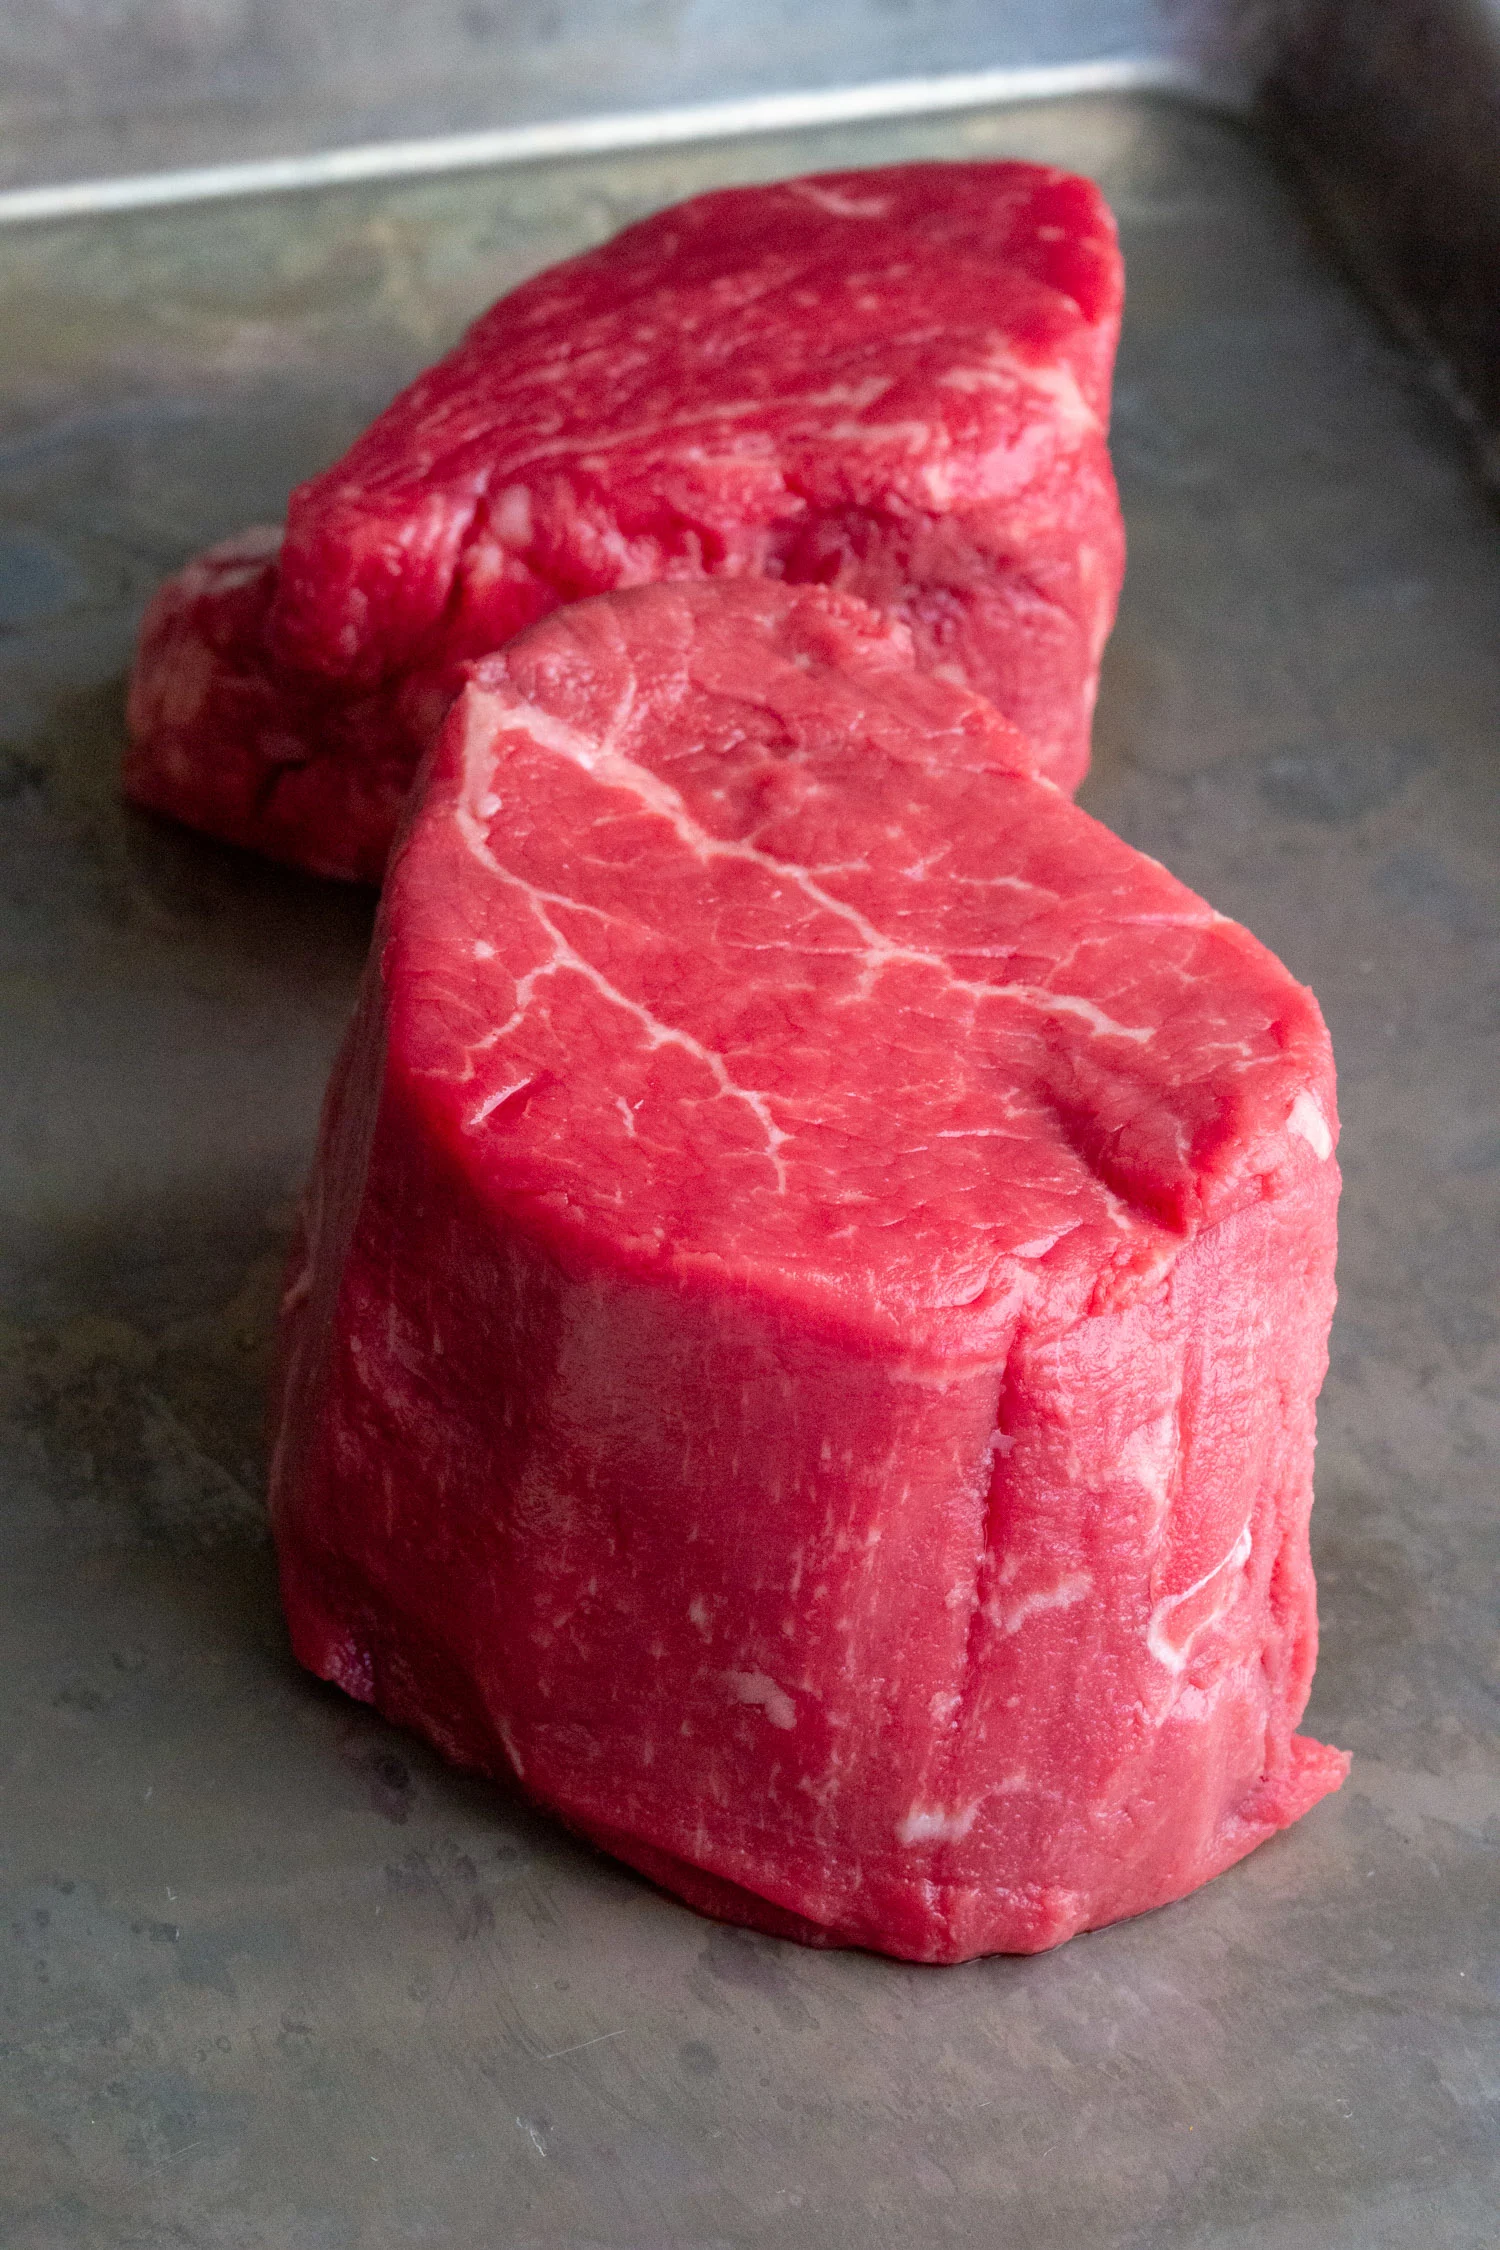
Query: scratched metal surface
[91,88]
[271,1975]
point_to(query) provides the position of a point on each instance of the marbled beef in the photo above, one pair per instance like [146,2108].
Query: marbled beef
[813,1290]
[893,381]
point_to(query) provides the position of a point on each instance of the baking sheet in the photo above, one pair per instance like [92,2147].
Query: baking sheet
[276,1977]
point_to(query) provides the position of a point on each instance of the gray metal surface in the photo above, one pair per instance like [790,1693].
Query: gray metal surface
[608,133]
[274,1979]
[1392,110]
[89,88]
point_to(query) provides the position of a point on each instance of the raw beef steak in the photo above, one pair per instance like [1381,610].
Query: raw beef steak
[248,751]
[892,381]
[813,1291]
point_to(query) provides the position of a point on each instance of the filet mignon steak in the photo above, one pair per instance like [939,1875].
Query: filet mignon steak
[813,1291]
[895,381]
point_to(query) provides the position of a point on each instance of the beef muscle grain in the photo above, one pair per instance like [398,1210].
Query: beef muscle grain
[813,1291]
[893,381]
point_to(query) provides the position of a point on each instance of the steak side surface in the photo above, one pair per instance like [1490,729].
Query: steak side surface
[893,381]
[812,1294]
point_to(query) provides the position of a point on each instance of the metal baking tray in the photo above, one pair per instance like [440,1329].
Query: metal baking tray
[273,1976]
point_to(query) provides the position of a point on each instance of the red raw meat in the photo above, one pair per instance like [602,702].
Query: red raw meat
[892,381]
[813,1290]
[248,751]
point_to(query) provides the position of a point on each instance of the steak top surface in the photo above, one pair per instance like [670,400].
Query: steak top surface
[728,937]
[711,388]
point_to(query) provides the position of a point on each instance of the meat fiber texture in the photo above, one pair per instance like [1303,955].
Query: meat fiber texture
[896,382]
[812,1293]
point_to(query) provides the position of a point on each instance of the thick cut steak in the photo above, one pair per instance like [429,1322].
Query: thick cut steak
[896,382]
[812,1296]
[245,750]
